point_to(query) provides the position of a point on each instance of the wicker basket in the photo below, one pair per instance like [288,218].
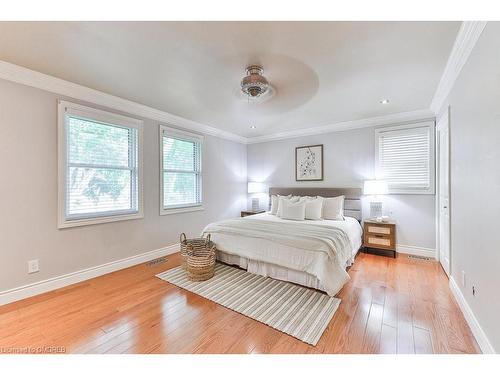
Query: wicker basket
[202,254]
[200,263]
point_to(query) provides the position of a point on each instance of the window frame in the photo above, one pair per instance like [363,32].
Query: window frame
[432,157]
[187,136]
[64,109]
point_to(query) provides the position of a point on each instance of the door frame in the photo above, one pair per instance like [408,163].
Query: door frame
[439,126]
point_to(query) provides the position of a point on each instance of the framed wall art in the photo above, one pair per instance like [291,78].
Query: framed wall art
[309,163]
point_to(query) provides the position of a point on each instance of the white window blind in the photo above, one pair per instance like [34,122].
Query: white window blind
[180,169]
[405,160]
[100,166]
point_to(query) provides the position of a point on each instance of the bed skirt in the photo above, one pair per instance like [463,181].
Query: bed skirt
[271,270]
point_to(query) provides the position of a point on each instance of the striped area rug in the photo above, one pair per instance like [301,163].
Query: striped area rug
[300,312]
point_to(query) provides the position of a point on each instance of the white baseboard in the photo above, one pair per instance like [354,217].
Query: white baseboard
[416,250]
[25,291]
[474,325]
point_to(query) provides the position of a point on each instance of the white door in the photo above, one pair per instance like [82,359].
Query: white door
[443,190]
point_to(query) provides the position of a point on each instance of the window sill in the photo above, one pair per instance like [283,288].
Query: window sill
[180,210]
[100,220]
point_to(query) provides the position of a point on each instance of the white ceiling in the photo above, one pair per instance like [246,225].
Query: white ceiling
[322,72]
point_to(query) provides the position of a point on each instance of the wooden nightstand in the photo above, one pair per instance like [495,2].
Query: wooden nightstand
[250,212]
[380,237]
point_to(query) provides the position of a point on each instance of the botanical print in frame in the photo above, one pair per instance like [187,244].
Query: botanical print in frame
[309,163]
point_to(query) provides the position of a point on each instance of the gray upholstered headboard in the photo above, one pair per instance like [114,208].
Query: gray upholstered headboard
[352,204]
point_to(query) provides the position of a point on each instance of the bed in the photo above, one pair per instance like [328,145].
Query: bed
[313,253]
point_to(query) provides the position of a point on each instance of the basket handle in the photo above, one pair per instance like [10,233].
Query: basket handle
[189,249]
[183,237]
[213,249]
[207,239]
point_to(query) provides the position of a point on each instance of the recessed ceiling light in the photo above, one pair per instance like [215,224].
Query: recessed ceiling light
[253,127]
[384,101]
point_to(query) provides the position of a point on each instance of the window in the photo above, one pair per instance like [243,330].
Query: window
[100,173]
[180,169]
[405,158]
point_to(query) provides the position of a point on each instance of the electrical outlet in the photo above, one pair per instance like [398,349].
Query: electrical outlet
[33,266]
[463,279]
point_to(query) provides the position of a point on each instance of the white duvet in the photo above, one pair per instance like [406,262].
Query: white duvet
[326,264]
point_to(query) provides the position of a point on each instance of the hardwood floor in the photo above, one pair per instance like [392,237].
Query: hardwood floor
[390,305]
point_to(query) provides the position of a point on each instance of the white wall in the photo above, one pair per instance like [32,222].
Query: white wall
[28,193]
[349,160]
[475,180]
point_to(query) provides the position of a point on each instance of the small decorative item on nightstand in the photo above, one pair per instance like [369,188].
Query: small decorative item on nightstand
[249,213]
[375,188]
[380,237]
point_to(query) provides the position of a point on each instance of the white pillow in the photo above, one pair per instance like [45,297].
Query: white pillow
[286,198]
[293,210]
[275,202]
[314,208]
[307,198]
[333,208]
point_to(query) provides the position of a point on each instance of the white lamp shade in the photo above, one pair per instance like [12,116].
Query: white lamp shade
[255,187]
[375,187]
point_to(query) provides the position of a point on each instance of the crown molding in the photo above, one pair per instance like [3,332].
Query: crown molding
[467,36]
[395,118]
[28,77]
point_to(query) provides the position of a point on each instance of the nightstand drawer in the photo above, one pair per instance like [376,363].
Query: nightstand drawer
[380,241]
[379,229]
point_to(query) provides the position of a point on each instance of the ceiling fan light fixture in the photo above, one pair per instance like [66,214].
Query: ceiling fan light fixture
[254,84]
